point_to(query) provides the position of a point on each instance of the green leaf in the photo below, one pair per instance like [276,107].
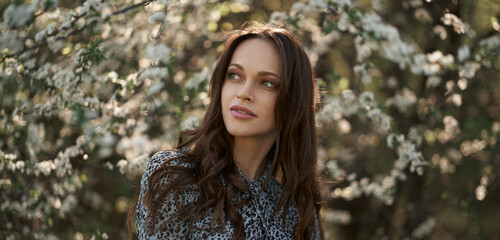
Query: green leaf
[329,27]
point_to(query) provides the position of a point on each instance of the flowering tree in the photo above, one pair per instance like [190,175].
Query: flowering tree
[408,125]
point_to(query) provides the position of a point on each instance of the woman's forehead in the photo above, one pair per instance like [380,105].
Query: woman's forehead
[257,55]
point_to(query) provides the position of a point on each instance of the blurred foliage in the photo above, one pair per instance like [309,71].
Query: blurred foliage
[104,106]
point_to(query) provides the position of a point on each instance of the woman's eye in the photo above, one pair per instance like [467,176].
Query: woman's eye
[268,84]
[232,76]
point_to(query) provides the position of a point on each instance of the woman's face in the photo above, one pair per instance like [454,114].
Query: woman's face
[250,89]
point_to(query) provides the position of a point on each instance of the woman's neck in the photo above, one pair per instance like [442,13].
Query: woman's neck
[250,155]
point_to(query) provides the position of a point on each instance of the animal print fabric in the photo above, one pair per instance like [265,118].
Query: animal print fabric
[256,215]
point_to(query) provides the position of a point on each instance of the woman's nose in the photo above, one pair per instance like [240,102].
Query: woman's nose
[245,93]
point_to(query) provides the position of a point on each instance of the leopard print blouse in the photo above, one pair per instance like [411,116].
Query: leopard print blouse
[256,215]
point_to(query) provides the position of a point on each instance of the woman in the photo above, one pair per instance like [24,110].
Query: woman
[250,170]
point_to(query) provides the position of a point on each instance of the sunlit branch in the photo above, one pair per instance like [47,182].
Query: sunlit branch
[76,18]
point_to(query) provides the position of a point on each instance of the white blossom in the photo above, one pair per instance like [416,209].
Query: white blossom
[11,40]
[450,19]
[41,35]
[490,42]
[366,99]
[16,16]
[470,147]
[463,53]
[318,4]
[155,87]
[431,69]
[5,182]
[434,57]
[332,110]
[468,70]
[338,216]
[409,155]
[391,138]
[30,64]
[109,166]
[166,2]
[342,3]
[344,22]
[69,203]
[440,31]
[385,122]
[157,17]
[54,44]
[137,165]
[432,82]
[423,15]
[361,69]
[363,48]
[447,60]
[136,145]
[462,83]
[350,192]
[66,23]
[380,119]
[445,165]
[50,28]
[402,100]
[391,47]
[297,8]
[481,192]
[351,177]
[133,166]
[335,171]
[195,81]
[122,164]
[190,123]
[373,22]
[45,167]
[158,52]
[64,78]
[88,5]
[106,143]
[415,136]
[455,99]
[419,60]
[424,229]
[155,73]
[412,3]
[278,17]
[484,180]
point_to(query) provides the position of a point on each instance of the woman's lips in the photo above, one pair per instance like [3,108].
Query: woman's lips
[242,112]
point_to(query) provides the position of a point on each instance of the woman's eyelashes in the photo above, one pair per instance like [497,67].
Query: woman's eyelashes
[269,84]
[265,83]
[232,76]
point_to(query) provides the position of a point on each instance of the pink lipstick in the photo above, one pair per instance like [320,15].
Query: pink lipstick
[242,112]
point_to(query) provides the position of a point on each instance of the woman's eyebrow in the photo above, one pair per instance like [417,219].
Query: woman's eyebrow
[261,73]
[237,66]
[264,73]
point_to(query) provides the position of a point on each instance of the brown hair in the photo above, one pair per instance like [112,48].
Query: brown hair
[294,154]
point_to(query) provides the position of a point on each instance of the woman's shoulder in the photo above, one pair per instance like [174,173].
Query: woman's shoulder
[161,159]
[170,158]
[166,208]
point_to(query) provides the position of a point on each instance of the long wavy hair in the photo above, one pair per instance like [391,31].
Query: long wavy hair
[294,153]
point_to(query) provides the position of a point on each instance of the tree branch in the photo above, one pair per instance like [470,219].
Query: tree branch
[126,9]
